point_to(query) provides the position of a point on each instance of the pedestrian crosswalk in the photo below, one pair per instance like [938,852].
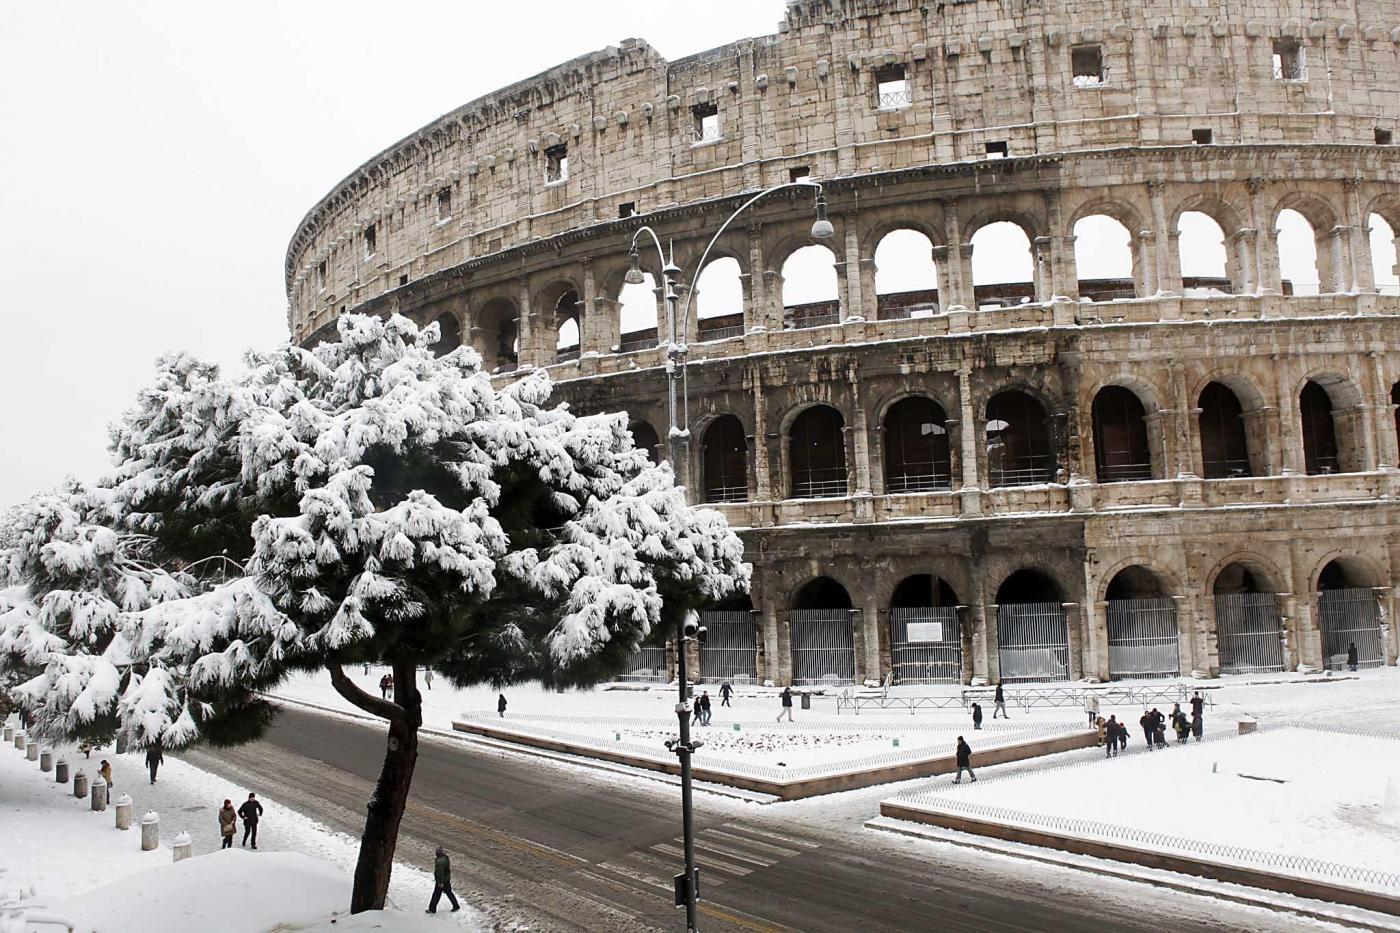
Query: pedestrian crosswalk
[723,853]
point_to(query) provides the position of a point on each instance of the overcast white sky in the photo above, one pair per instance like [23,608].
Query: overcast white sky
[157,156]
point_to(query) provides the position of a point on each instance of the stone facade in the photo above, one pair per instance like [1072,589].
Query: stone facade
[473,223]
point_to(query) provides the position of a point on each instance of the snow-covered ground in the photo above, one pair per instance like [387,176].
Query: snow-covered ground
[61,859]
[1309,795]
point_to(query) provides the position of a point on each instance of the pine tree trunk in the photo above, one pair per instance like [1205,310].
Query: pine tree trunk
[386,806]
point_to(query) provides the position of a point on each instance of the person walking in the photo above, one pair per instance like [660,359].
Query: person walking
[697,713]
[105,770]
[501,706]
[1198,721]
[725,692]
[1101,725]
[1159,727]
[250,812]
[1352,658]
[384,687]
[1091,706]
[976,715]
[787,705]
[1000,700]
[428,677]
[1111,733]
[964,761]
[1149,727]
[390,678]
[1182,726]
[442,882]
[228,823]
[154,759]
[704,707]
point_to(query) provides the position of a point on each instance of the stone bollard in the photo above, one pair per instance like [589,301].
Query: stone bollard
[121,745]
[46,760]
[182,847]
[1247,726]
[60,772]
[19,741]
[80,785]
[99,795]
[9,733]
[124,811]
[150,831]
[31,751]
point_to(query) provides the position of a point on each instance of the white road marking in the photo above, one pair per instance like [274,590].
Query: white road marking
[770,835]
[762,846]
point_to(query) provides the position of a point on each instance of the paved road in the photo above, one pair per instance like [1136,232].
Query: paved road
[568,848]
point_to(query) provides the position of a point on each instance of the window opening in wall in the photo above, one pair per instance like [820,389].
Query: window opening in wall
[1204,272]
[817,449]
[1298,253]
[403,279]
[916,447]
[1018,441]
[998,149]
[1003,268]
[1289,64]
[321,275]
[906,277]
[1121,451]
[1319,431]
[1202,137]
[1086,63]
[371,240]
[567,345]
[892,89]
[639,315]
[645,439]
[444,204]
[705,122]
[1383,137]
[627,209]
[719,300]
[725,461]
[799,173]
[556,164]
[810,289]
[1104,259]
[1384,259]
[1224,445]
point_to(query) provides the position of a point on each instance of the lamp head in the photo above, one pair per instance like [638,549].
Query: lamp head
[634,270]
[821,227]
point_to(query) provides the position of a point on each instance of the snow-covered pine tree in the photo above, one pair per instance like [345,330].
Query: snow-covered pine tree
[383,504]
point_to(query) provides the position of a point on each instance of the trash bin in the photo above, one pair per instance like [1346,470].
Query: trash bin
[806,700]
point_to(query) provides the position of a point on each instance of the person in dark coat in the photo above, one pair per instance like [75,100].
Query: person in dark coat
[1198,722]
[725,692]
[154,759]
[228,823]
[501,706]
[1149,728]
[428,677]
[704,707]
[787,705]
[964,761]
[250,812]
[1159,730]
[442,882]
[1182,726]
[1352,657]
[976,715]
[384,687]
[1111,736]
[999,701]
[697,712]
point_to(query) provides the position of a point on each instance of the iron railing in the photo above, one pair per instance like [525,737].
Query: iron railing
[1124,472]
[647,665]
[715,494]
[1248,633]
[892,100]
[1033,642]
[823,646]
[1349,617]
[730,652]
[1029,470]
[926,645]
[920,477]
[1142,638]
[823,483]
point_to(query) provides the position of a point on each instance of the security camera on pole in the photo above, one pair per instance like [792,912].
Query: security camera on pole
[688,883]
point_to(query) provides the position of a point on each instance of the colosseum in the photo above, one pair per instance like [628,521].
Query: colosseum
[981,466]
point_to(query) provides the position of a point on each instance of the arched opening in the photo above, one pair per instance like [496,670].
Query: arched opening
[645,439]
[1104,259]
[637,315]
[1319,431]
[449,335]
[1224,444]
[1348,617]
[1143,639]
[1003,266]
[497,336]
[817,448]
[1032,634]
[810,293]
[1019,452]
[1385,263]
[1248,627]
[1395,409]
[730,651]
[1204,259]
[1297,254]
[906,277]
[566,325]
[1121,451]
[916,447]
[823,644]
[719,300]
[925,632]
[724,460]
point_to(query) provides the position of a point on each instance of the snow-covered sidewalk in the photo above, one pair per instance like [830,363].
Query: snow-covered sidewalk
[62,859]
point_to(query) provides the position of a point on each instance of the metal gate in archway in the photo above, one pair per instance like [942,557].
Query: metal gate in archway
[1346,617]
[1248,633]
[730,650]
[1143,640]
[926,645]
[823,647]
[1032,642]
[646,665]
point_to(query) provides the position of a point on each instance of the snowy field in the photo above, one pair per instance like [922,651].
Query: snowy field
[60,859]
[1298,792]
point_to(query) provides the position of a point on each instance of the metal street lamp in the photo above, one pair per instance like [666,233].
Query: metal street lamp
[688,884]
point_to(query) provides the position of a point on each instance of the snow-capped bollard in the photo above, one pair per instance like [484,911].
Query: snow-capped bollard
[124,811]
[80,785]
[121,745]
[60,772]
[9,733]
[150,831]
[19,741]
[99,796]
[31,751]
[46,760]
[182,848]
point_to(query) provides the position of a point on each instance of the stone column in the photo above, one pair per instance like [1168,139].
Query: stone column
[1095,638]
[968,435]
[762,481]
[1075,637]
[1168,263]
[1290,430]
[855,301]
[1363,274]
[528,356]
[1387,443]
[1267,273]
[1182,420]
[977,619]
[860,435]
[1146,264]
[1243,246]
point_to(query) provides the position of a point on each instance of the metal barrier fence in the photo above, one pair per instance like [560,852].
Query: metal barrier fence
[647,665]
[1249,633]
[1142,638]
[1349,617]
[1033,642]
[823,646]
[1027,698]
[730,651]
[926,645]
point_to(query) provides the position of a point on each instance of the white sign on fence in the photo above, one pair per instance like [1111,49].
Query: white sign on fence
[925,631]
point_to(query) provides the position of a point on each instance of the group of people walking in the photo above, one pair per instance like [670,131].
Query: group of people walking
[1113,735]
[250,813]
[700,709]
